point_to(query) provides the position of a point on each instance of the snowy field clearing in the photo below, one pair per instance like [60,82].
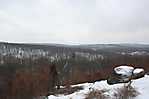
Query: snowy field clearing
[141,85]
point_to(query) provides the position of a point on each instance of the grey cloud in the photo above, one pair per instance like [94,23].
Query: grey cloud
[77,21]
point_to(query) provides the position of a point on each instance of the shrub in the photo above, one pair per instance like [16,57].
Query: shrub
[126,92]
[96,94]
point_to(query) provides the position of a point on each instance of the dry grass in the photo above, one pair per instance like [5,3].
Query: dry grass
[96,94]
[66,90]
[126,92]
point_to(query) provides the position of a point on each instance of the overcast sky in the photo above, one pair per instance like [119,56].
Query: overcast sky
[74,21]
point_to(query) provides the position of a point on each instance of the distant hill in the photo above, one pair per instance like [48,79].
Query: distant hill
[92,55]
[51,50]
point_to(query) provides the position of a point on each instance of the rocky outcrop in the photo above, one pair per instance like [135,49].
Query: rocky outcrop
[124,74]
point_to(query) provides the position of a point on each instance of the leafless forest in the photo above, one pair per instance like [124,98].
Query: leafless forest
[31,70]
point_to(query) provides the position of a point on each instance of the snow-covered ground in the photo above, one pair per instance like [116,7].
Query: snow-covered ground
[141,86]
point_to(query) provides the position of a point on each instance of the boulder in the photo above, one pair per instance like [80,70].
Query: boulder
[138,73]
[124,71]
[124,74]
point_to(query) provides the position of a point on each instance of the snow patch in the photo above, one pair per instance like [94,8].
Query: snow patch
[124,70]
[141,86]
[138,70]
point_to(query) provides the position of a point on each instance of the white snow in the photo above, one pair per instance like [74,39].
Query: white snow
[140,84]
[124,70]
[138,70]
[138,53]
